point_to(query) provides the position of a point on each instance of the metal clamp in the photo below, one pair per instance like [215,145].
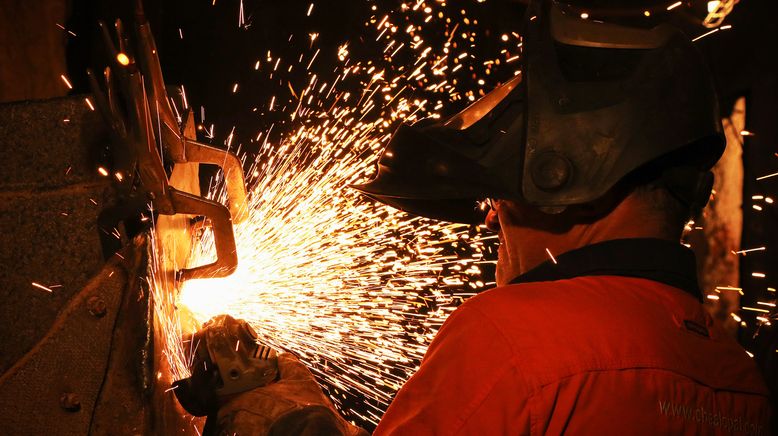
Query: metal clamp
[144,129]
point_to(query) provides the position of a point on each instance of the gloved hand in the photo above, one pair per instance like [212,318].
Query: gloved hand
[293,405]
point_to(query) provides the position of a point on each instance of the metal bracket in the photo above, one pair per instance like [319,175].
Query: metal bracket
[144,131]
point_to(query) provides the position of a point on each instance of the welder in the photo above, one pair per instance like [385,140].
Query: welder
[591,162]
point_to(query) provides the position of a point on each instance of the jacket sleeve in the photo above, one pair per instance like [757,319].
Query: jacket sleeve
[468,382]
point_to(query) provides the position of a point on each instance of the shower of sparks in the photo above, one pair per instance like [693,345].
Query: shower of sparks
[171,322]
[356,289]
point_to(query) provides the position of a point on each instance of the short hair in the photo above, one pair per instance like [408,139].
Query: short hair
[661,201]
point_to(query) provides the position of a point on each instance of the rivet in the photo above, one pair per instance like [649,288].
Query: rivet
[70,402]
[96,306]
[550,171]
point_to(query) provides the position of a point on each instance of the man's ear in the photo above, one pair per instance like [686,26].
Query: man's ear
[492,220]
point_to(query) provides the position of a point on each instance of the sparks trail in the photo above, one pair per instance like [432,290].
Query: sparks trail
[356,289]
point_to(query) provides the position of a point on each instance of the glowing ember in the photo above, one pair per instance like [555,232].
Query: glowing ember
[123,59]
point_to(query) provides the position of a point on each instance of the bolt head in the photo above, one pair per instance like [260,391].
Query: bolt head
[96,306]
[70,402]
[550,171]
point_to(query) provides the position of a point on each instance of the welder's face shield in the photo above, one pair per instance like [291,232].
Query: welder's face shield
[483,107]
[444,169]
[594,102]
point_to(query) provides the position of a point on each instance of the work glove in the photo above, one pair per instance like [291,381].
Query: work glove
[293,405]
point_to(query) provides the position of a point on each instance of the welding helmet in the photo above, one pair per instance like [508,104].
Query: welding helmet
[594,102]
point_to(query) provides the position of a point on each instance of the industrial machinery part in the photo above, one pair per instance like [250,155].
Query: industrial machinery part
[145,133]
[225,359]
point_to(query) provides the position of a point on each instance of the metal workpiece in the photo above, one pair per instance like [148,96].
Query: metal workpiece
[144,123]
[124,404]
[51,195]
[59,385]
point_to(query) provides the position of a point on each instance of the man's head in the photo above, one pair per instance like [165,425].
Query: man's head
[602,114]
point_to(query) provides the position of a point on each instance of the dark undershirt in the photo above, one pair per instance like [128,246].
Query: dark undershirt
[654,259]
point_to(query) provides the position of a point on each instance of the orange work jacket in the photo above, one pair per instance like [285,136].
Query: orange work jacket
[611,340]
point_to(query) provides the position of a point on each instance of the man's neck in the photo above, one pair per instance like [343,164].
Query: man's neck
[529,246]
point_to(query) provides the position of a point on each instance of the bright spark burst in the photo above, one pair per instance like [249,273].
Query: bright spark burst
[356,289]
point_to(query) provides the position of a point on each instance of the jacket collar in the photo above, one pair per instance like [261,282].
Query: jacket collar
[654,259]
